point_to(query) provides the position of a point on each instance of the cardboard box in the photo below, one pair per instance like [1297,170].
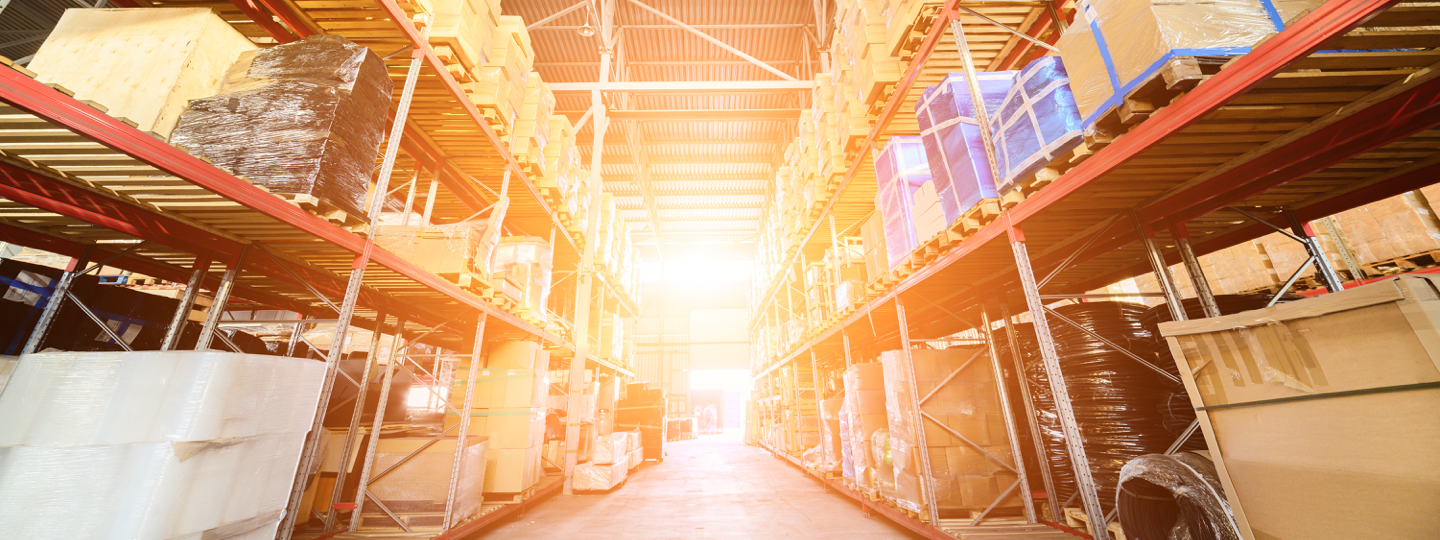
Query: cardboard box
[506,428]
[597,477]
[512,470]
[502,388]
[142,64]
[637,456]
[1323,404]
[517,355]
[422,482]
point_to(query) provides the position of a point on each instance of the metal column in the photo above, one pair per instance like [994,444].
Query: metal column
[464,419]
[1162,270]
[1010,430]
[1084,481]
[1036,436]
[977,99]
[817,394]
[1317,253]
[352,288]
[386,379]
[371,362]
[1192,267]
[927,485]
[222,297]
[199,268]
[57,299]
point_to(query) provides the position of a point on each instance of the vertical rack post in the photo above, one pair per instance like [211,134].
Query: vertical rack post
[1035,433]
[1192,267]
[386,379]
[817,394]
[927,485]
[57,299]
[1084,481]
[977,99]
[464,419]
[1317,253]
[198,268]
[372,359]
[1162,270]
[1009,417]
[222,297]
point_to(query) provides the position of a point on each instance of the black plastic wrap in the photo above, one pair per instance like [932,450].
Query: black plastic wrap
[307,118]
[1117,401]
[1174,497]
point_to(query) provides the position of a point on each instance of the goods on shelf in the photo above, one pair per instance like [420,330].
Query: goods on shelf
[848,458]
[342,397]
[953,144]
[643,409]
[532,125]
[962,394]
[599,477]
[1037,123]
[465,26]
[508,407]
[1163,493]
[501,83]
[865,398]
[1117,401]
[1117,45]
[152,444]
[523,263]
[307,119]
[422,484]
[517,355]
[929,218]
[900,170]
[872,237]
[1393,228]
[1326,402]
[141,64]
[611,449]
[830,433]
[449,251]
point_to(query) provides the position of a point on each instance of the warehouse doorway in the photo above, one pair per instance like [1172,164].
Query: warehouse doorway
[726,390]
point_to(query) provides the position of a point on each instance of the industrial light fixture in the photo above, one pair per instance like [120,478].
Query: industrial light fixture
[587,30]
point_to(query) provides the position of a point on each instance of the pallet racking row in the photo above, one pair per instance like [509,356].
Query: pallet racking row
[1336,111]
[81,183]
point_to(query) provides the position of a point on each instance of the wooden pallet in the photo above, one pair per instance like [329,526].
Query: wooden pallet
[1158,89]
[1034,182]
[1076,519]
[976,217]
[1407,263]
[324,210]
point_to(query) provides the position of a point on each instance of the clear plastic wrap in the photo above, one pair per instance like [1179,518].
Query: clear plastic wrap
[951,136]
[525,261]
[1037,122]
[1118,402]
[445,250]
[597,477]
[1174,497]
[610,448]
[884,465]
[152,444]
[1114,45]
[900,169]
[308,119]
[422,483]
[865,395]
[847,449]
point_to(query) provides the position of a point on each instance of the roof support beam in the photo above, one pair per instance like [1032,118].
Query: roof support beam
[674,115]
[718,43]
[557,15]
[682,86]
[642,162]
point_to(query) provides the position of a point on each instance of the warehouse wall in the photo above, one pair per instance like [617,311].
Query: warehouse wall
[682,327]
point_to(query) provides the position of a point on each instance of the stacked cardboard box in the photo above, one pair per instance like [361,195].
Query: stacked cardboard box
[501,84]
[448,251]
[463,29]
[963,476]
[508,407]
[865,401]
[532,125]
[523,262]
[861,28]
[901,169]
[872,237]
[422,483]
[644,409]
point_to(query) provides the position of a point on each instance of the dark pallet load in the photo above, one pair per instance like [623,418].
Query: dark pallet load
[643,408]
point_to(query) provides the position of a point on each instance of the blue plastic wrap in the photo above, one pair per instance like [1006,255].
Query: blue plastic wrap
[900,170]
[1037,122]
[952,139]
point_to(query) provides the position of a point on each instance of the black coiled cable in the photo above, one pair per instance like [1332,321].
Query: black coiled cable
[1174,497]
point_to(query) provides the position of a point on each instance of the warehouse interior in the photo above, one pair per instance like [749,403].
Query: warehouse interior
[945,269]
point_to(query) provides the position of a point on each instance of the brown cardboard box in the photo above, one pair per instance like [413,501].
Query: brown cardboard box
[1321,414]
[512,470]
[1395,227]
[502,388]
[506,428]
[422,482]
[518,355]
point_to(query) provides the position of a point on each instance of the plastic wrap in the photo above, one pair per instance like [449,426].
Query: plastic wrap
[1118,403]
[847,294]
[884,466]
[951,136]
[847,449]
[865,394]
[525,261]
[1114,45]
[307,120]
[445,250]
[1391,228]
[830,433]
[1037,122]
[597,477]
[610,448]
[422,483]
[152,444]
[1174,497]
[900,170]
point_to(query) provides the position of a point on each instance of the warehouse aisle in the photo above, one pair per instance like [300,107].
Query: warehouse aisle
[712,487]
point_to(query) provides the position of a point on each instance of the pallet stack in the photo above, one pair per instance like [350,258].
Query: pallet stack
[508,407]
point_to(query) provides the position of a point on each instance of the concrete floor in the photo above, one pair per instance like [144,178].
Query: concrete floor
[712,487]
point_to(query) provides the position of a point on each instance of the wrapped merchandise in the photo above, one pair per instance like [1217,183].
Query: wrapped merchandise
[929,217]
[847,449]
[1388,229]
[610,449]
[152,444]
[525,262]
[847,294]
[1167,496]
[964,476]
[1037,122]
[512,470]
[596,477]
[307,118]
[865,396]
[830,433]
[1115,45]
[422,483]
[813,458]
[872,238]
[445,250]
[953,144]
[141,64]
[900,169]
[466,26]
[637,457]
[884,468]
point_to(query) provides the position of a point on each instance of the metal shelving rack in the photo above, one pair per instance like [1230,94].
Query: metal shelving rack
[1318,118]
[81,183]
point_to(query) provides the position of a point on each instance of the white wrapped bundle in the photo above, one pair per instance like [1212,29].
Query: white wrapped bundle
[597,477]
[610,449]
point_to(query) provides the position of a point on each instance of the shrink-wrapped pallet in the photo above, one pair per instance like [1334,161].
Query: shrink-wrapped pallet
[1389,229]
[449,250]
[953,144]
[865,396]
[900,170]
[610,449]
[152,444]
[141,64]
[1037,123]
[306,118]
[598,477]
[422,482]
[524,261]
